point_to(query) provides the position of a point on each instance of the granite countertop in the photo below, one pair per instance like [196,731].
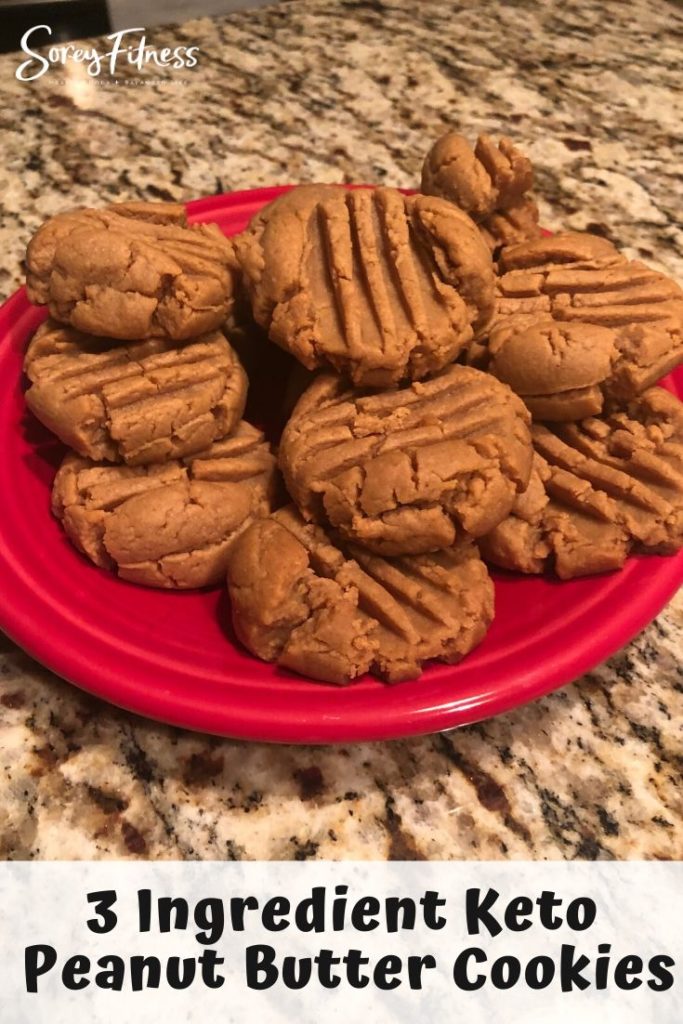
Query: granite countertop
[323,90]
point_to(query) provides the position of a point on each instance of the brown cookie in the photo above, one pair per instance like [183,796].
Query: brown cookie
[489,182]
[167,525]
[581,281]
[132,271]
[519,223]
[139,403]
[410,470]
[333,613]
[599,489]
[559,369]
[379,285]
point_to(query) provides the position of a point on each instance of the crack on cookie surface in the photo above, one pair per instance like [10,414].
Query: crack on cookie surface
[170,524]
[139,403]
[599,490]
[129,273]
[334,612]
[377,284]
[408,471]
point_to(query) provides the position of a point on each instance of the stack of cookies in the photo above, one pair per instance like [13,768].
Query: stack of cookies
[476,393]
[133,372]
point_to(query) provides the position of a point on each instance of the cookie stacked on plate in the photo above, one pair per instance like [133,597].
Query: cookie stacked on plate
[474,393]
[580,333]
[133,372]
[395,457]
[491,182]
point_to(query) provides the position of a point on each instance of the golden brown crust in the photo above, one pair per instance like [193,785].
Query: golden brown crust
[379,285]
[599,489]
[410,470]
[167,525]
[139,403]
[132,271]
[301,599]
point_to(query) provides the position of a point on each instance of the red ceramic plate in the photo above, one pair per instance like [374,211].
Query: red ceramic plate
[172,657]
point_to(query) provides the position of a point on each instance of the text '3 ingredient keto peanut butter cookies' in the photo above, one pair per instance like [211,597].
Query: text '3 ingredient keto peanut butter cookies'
[590,291]
[409,470]
[599,489]
[137,403]
[132,271]
[379,285]
[333,613]
[167,525]
[489,182]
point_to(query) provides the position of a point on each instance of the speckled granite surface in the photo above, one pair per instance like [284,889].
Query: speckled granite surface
[325,90]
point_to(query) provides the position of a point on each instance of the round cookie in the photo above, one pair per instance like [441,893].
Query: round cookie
[410,470]
[132,271]
[489,182]
[579,280]
[301,599]
[379,285]
[599,489]
[167,525]
[137,403]
[557,368]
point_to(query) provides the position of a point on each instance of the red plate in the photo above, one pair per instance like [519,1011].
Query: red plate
[167,656]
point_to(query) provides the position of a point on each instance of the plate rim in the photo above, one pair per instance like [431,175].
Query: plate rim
[76,668]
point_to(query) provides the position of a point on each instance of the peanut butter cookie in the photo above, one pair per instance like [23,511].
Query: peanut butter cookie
[132,271]
[489,182]
[301,599]
[379,285]
[518,223]
[410,470]
[599,489]
[559,369]
[139,403]
[587,287]
[167,525]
